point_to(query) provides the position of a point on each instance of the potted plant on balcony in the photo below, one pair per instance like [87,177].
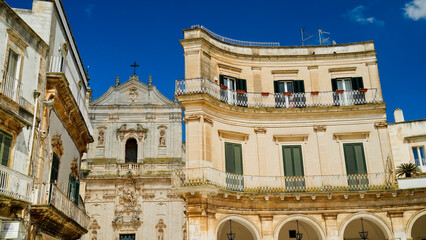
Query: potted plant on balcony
[265,94]
[314,92]
[223,87]
[241,91]
[363,90]
[287,93]
[340,91]
[407,170]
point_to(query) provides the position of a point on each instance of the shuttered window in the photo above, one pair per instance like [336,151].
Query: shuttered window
[356,83]
[233,158]
[5,148]
[354,158]
[55,169]
[73,189]
[293,161]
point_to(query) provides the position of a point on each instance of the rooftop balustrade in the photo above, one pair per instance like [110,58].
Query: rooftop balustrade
[276,100]
[50,194]
[193,177]
[15,185]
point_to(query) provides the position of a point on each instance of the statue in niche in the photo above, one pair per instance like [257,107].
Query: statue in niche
[162,138]
[101,138]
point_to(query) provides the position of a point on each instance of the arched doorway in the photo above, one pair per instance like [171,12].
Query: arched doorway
[418,231]
[302,226]
[354,227]
[131,151]
[239,227]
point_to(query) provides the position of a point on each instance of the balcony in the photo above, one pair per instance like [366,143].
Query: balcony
[15,185]
[101,168]
[209,177]
[51,204]
[276,100]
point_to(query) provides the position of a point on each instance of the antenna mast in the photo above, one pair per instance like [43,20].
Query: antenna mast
[320,33]
[302,30]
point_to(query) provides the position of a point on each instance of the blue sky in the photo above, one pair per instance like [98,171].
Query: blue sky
[112,34]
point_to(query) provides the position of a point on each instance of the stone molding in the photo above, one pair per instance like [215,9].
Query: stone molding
[320,128]
[124,133]
[381,124]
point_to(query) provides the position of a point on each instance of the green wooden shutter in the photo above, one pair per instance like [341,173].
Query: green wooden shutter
[5,147]
[55,169]
[77,192]
[276,86]
[293,160]
[221,79]
[354,158]
[299,86]
[233,158]
[334,84]
[242,84]
[357,83]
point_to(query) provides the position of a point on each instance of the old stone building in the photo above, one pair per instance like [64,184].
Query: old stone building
[44,124]
[138,142]
[289,143]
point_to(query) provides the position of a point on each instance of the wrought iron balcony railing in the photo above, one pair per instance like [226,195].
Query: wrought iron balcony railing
[276,100]
[192,177]
[11,87]
[15,184]
[50,194]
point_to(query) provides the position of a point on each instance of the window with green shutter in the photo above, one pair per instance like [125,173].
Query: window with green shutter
[355,166]
[233,158]
[73,189]
[293,168]
[234,167]
[5,148]
[55,169]
[293,161]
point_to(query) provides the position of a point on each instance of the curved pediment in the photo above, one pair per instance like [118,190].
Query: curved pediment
[132,92]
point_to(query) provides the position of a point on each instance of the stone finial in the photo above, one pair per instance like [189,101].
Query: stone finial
[117,80]
[150,80]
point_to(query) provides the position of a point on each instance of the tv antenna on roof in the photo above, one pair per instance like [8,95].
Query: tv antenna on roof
[302,31]
[320,33]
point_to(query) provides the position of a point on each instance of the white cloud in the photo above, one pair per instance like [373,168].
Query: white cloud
[415,9]
[357,15]
[89,9]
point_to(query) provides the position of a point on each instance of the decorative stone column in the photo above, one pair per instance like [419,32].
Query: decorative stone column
[263,165]
[322,145]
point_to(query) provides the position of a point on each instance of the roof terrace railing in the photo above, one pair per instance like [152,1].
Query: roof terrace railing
[237,42]
[276,100]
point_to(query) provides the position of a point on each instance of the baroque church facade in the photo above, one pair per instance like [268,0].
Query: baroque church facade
[138,142]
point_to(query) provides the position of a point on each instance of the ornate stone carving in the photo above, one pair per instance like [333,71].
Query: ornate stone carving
[320,128]
[74,168]
[101,135]
[162,139]
[192,117]
[139,132]
[381,124]
[133,94]
[57,147]
[127,209]
[160,229]
[260,130]
[148,196]
[94,227]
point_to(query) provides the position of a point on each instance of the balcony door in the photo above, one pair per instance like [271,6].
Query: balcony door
[355,166]
[234,166]
[11,76]
[233,90]
[346,91]
[127,237]
[289,93]
[5,147]
[293,168]
[131,151]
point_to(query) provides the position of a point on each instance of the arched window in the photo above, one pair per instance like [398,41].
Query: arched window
[131,151]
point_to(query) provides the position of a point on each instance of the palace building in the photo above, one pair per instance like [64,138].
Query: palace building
[289,143]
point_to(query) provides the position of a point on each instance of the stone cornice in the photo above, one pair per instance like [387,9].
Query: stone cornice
[68,111]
